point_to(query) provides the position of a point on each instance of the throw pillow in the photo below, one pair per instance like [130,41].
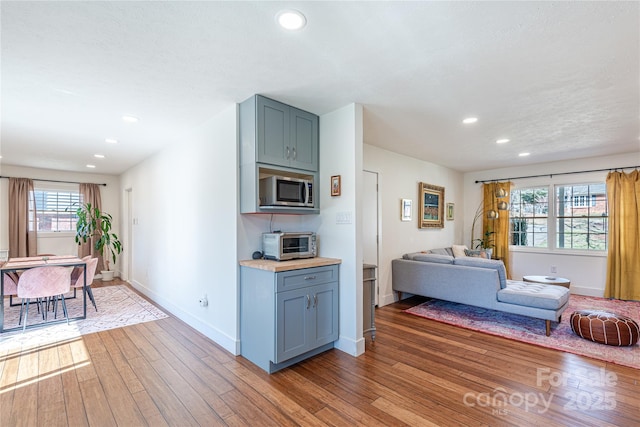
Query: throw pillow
[480,253]
[442,251]
[458,251]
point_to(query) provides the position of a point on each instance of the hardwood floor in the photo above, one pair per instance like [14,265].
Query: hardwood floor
[418,373]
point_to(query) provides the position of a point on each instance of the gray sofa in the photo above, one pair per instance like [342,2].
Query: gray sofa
[478,282]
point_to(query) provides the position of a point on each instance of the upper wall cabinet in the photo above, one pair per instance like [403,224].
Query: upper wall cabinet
[276,140]
[283,135]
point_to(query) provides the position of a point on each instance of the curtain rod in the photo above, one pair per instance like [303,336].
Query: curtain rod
[53,180]
[550,175]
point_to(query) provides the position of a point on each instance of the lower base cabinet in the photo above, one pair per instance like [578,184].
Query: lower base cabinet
[287,316]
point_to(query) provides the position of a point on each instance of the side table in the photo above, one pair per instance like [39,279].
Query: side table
[369,300]
[547,280]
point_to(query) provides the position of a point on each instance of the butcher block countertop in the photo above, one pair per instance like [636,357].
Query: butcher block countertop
[294,264]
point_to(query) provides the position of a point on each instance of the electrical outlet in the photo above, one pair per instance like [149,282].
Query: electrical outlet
[554,269]
[203,301]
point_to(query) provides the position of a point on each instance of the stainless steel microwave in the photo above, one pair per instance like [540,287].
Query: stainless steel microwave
[283,246]
[286,191]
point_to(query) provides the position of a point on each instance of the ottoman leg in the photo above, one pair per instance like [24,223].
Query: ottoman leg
[548,323]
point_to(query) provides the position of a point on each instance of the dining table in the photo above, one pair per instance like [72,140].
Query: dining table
[15,266]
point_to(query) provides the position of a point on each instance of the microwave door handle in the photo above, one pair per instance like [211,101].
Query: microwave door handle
[305,193]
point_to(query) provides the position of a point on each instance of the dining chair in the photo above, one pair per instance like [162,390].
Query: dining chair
[11,287]
[77,279]
[42,283]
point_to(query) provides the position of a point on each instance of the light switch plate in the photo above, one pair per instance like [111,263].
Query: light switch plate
[344,218]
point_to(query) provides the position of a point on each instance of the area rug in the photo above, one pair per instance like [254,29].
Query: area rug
[118,306]
[532,331]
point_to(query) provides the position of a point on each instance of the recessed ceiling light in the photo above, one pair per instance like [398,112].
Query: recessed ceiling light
[99,156]
[291,20]
[91,166]
[470,120]
[111,140]
[523,154]
[502,141]
[130,119]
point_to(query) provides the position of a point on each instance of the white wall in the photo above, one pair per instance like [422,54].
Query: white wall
[399,177]
[185,207]
[587,271]
[341,154]
[62,243]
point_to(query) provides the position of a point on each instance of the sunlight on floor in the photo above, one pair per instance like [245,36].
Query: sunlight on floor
[40,354]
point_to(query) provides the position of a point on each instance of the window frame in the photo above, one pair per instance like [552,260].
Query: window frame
[54,187]
[552,219]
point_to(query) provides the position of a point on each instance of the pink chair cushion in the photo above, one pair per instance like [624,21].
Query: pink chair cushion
[44,282]
[10,285]
[92,265]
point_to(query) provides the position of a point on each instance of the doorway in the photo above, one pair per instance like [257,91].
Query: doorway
[127,269]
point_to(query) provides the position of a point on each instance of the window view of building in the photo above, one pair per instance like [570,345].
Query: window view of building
[55,210]
[579,212]
[582,217]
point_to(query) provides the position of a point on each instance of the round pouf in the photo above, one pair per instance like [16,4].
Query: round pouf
[604,327]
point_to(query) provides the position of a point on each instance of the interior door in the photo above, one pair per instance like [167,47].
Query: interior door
[370,220]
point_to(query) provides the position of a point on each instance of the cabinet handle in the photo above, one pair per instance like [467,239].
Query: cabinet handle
[315,300]
[295,154]
[309,277]
[308,302]
[287,152]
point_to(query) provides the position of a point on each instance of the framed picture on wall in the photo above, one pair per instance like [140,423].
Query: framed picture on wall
[449,211]
[335,185]
[431,206]
[405,209]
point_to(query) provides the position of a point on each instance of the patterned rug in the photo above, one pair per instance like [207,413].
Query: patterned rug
[118,306]
[532,331]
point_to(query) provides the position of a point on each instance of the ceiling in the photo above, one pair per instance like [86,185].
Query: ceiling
[559,79]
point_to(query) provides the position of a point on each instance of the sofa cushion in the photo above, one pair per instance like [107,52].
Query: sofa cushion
[458,250]
[537,295]
[485,263]
[480,253]
[440,259]
[442,251]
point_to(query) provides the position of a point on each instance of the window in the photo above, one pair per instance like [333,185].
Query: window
[582,217]
[584,201]
[580,214]
[55,210]
[529,217]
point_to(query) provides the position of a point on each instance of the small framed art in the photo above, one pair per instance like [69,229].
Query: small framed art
[405,209]
[449,211]
[335,185]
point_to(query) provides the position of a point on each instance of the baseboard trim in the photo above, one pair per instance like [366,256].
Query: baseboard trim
[228,343]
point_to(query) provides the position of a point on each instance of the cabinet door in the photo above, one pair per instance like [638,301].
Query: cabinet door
[292,323]
[304,140]
[324,301]
[273,132]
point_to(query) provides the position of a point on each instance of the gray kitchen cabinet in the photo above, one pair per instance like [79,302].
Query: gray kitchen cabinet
[280,134]
[287,316]
[276,139]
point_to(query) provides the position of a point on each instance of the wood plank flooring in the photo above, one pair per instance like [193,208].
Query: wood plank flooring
[418,373]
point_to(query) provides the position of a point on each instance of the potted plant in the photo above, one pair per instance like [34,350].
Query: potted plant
[95,226]
[486,243]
